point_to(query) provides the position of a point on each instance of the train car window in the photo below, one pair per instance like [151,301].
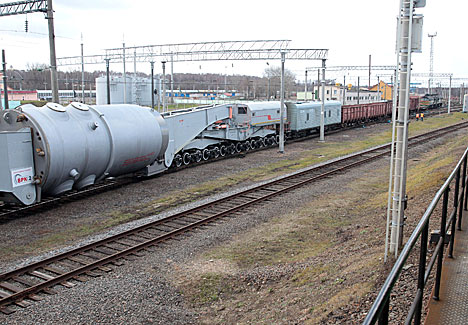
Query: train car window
[242,110]
[253,114]
[329,113]
[307,116]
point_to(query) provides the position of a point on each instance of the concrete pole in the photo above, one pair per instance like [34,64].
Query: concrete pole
[134,64]
[305,86]
[124,76]
[318,84]
[172,78]
[370,59]
[164,85]
[108,82]
[461,94]
[344,90]
[269,88]
[399,182]
[82,72]
[378,89]
[322,108]
[53,59]
[449,94]
[5,86]
[152,84]
[358,86]
[281,135]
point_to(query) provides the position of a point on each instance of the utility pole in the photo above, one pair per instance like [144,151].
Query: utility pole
[164,85]
[449,94]
[124,75]
[152,84]
[358,86]
[172,78]
[281,135]
[431,61]
[344,89]
[305,86]
[5,86]
[378,89]
[108,82]
[53,59]
[322,108]
[82,72]
[407,20]
[370,59]
[318,84]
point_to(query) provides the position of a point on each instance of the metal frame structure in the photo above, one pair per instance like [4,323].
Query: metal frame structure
[23,7]
[31,6]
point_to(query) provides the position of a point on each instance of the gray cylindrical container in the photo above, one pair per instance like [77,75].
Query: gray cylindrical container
[465,103]
[76,145]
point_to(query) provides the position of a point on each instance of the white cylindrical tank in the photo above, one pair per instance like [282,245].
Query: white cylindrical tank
[465,103]
[75,146]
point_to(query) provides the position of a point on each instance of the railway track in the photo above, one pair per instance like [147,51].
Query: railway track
[26,284]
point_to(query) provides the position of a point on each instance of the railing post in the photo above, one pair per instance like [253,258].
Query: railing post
[440,257]
[465,182]
[422,271]
[383,318]
[455,207]
[462,198]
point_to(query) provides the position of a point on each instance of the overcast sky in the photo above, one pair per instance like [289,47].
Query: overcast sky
[351,30]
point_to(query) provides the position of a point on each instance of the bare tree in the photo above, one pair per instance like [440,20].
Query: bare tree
[273,73]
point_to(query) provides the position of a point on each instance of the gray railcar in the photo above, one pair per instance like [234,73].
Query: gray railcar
[305,116]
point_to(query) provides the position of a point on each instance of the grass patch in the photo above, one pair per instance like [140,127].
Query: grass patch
[208,288]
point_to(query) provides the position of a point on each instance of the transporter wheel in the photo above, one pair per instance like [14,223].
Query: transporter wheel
[246,145]
[206,154]
[239,147]
[216,152]
[232,149]
[186,158]
[197,156]
[223,151]
[177,160]
[253,144]
[259,143]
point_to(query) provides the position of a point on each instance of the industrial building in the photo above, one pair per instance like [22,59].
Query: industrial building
[129,90]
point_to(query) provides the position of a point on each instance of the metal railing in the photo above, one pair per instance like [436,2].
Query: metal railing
[380,309]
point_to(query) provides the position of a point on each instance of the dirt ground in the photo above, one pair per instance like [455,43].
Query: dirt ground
[320,263]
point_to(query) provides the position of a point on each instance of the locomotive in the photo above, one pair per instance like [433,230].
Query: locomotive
[53,149]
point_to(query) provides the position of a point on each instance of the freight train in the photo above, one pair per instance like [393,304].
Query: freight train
[53,149]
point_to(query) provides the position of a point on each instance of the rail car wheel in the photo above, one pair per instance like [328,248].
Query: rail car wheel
[223,151]
[186,158]
[216,152]
[246,145]
[260,143]
[253,144]
[206,154]
[178,160]
[232,149]
[198,156]
[277,139]
[239,147]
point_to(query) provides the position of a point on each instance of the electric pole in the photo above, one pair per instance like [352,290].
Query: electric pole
[409,31]
[431,61]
